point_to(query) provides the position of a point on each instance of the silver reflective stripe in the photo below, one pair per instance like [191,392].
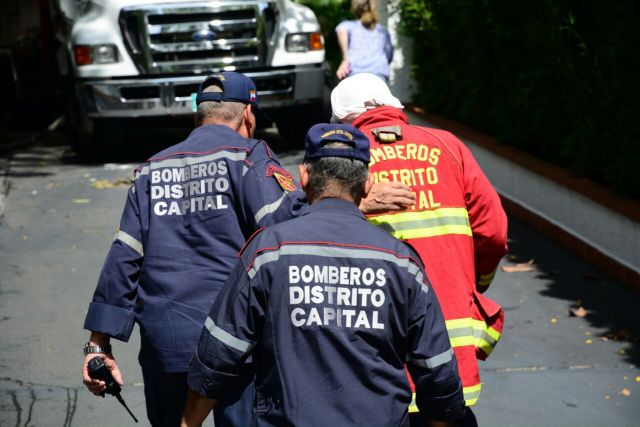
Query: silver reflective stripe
[142,172]
[435,361]
[478,334]
[336,252]
[187,161]
[130,241]
[462,331]
[245,169]
[261,260]
[471,395]
[425,223]
[423,288]
[270,208]
[226,338]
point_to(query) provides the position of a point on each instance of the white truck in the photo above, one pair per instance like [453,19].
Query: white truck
[145,58]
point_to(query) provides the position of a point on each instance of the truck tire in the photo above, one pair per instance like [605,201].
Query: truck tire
[8,88]
[99,141]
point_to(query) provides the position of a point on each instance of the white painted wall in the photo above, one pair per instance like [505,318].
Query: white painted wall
[400,81]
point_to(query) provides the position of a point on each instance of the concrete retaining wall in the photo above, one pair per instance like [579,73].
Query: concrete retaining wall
[594,222]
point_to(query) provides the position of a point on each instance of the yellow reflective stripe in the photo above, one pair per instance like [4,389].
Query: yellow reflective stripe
[486,279]
[464,322]
[436,222]
[460,332]
[468,331]
[412,406]
[486,337]
[430,232]
[492,332]
[462,341]
[471,395]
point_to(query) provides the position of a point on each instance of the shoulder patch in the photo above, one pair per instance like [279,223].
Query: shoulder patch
[284,178]
[387,134]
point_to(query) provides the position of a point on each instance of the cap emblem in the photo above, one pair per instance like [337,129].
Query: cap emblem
[337,132]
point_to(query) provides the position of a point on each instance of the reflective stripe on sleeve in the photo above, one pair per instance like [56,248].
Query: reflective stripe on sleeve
[435,361]
[226,338]
[471,394]
[142,172]
[130,241]
[468,331]
[436,222]
[412,406]
[337,252]
[485,279]
[270,208]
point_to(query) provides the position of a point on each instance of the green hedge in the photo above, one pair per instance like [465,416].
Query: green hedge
[559,79]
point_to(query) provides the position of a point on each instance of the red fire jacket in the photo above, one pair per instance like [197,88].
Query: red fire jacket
[458,227]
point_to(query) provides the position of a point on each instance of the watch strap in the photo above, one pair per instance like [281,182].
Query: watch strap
[93,349]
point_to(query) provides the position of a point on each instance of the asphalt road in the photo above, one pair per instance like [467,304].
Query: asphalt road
[59,216]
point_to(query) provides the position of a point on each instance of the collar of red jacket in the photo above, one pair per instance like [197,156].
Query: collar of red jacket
[380,115]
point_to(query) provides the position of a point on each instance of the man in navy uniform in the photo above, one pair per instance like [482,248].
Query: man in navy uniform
[189,212]
[329,308]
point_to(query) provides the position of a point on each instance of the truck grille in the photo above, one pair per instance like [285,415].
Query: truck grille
[199,37]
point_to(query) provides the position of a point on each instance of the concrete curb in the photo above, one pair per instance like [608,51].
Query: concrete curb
[597,224]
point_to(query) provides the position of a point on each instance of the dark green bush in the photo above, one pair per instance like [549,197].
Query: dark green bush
[559,79]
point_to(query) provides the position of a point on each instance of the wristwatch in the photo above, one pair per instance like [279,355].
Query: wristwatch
[92,349]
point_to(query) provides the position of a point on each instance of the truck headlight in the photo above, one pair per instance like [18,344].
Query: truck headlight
[95,54]
[304,42]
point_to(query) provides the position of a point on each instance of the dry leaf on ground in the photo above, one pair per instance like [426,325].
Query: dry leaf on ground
[102,184]
[625,392]
[578,311]
[519,268]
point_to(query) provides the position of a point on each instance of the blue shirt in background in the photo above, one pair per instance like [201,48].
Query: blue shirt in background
[370,50]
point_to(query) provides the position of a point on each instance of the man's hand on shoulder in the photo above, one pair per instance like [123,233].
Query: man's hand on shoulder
[388,196]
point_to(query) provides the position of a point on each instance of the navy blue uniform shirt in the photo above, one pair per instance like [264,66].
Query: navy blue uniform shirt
[189,212]
[330,308]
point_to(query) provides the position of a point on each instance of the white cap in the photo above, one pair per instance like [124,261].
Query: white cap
[359,93]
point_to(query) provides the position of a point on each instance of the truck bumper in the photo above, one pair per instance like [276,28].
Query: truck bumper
[171,96]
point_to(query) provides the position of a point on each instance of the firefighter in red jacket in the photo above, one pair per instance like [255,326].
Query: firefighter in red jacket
[457,225]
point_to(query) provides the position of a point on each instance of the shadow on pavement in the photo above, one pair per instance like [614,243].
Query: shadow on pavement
[610,306]
[30,149]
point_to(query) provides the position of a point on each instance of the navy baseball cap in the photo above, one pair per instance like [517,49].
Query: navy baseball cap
[323,133]
[236,87]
